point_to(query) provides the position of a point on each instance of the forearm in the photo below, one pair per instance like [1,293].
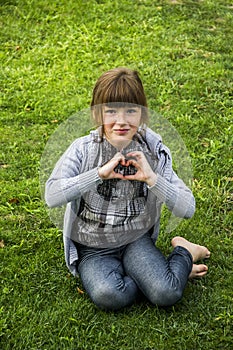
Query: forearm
[177,197]
[60,191]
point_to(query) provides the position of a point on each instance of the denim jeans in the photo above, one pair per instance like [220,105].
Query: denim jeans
[115,278]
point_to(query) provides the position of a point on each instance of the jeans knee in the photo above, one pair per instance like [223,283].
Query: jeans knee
[165,296]
[105,298]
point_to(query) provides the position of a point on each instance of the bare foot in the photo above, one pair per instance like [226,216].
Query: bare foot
[198,252]
[198,271]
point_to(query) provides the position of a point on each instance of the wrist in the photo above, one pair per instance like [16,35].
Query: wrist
[100,173]
[151,180]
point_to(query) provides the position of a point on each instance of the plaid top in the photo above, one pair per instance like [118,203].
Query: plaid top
[116,212]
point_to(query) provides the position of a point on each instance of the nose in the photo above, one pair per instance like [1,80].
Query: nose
[121,118]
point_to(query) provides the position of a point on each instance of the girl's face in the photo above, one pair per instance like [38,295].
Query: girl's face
[121,124]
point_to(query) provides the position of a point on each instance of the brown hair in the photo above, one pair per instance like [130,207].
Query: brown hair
[119,86]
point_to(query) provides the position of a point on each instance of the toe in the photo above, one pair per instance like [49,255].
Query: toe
[198,271]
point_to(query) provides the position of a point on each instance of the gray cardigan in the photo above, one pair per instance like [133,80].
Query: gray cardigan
[70,179]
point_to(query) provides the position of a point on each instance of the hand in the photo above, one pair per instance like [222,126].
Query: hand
[144,172]
[106,172]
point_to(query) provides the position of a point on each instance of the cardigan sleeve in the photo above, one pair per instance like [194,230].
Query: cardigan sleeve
[175,194]
[66,183]
[169,188]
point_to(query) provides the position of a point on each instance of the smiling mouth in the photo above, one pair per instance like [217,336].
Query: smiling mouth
[121,130]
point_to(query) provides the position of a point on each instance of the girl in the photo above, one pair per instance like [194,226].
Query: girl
[114,182]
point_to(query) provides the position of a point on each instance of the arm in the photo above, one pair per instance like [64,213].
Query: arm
[66,183]
[175,194]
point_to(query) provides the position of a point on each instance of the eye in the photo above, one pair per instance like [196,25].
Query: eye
[131,111]
[110,111]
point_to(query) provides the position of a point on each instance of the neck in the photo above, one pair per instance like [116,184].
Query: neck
[119,145]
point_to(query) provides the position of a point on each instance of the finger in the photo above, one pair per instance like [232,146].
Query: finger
[130,177]
[133,162]
[134,154]
[119,155]
[115,175]
[123,161]
[116,160]
[119,159]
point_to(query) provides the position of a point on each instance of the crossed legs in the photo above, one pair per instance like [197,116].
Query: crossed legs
[114,278]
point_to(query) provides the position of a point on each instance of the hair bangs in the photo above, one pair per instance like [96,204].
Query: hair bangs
[121,92]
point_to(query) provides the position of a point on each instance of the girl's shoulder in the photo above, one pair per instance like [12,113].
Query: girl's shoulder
[148,136]
[93,136]
[152,136]
[154,142]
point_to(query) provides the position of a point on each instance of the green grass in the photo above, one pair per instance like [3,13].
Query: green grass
[51,55]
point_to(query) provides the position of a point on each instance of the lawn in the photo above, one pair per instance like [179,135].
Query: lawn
[51,54]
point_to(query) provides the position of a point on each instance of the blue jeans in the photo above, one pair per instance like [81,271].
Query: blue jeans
[115,278]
